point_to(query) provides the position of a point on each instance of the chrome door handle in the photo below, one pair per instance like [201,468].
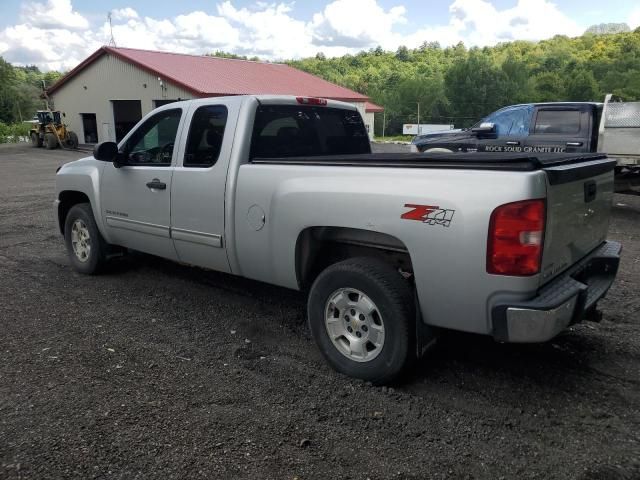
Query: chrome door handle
[574,144]
[512,143]
[156,184]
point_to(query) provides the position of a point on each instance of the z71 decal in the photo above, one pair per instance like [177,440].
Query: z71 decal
[429,214]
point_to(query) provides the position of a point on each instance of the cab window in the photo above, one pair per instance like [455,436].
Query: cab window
[557,122]
[152,143]
[205,136]
[511,122]
[521,122]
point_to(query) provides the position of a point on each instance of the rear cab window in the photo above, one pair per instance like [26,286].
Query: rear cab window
[283,131]
[205,136]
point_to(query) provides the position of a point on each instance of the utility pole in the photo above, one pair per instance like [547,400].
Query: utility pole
[45,96]
[418,118]
[384,121]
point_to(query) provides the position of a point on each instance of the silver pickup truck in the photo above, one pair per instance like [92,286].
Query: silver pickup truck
[390,248]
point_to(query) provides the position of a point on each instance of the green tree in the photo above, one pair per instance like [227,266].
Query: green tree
[477,85]
[20,90]
[7,91]
[402,54]
[548,87]
[582,87]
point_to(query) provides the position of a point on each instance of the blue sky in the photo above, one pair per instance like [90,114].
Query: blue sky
[276,30]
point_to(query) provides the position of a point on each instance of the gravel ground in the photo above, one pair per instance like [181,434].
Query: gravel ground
[157,370]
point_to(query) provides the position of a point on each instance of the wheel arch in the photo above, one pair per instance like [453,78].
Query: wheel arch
[69,198]
[318,247]
[437,150]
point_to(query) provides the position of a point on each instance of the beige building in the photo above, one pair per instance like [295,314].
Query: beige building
[109,92]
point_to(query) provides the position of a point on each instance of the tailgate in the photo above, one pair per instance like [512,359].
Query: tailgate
[579,197]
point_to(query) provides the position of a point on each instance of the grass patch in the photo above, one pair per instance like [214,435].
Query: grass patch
[394,138]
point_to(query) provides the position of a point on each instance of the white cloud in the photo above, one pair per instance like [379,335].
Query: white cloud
[124,13]
[53,35]
[54,14]
[478,22]
[195,32]
[356,24]
[528,20]
[49,49]
[269,30]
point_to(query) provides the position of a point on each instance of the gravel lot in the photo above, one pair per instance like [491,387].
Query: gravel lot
[157,370]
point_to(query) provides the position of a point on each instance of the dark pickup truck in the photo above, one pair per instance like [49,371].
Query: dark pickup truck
[563,127]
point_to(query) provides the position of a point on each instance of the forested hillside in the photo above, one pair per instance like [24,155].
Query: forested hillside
[459,85]
[20,89]
[453,85]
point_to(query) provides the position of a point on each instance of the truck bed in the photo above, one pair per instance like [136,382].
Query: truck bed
[559,167]
[479,160]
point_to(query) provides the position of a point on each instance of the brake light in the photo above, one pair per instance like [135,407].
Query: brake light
[516,232]
[311,101]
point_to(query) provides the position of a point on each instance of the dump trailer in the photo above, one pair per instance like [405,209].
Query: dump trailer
[619,138]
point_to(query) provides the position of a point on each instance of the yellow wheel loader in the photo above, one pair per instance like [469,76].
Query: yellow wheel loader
[49,131]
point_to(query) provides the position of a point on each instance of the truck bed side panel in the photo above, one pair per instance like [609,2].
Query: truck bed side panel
[449,258]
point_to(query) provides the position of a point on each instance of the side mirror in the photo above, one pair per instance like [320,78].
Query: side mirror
[64,114]
[106,151]
[485,127]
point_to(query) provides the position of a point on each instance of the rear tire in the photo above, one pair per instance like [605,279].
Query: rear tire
[85,246]
[362,316]
[50,141]
[72,140]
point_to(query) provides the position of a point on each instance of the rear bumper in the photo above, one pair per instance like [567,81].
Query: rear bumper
[560,303]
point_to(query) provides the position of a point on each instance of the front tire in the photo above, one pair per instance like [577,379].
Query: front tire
[361,315]
[50,141]
[85,246]
[36,141]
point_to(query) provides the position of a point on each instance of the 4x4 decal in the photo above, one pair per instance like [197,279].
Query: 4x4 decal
[429,214]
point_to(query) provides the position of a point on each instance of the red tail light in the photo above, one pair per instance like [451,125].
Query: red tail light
[516,233]
[311,100]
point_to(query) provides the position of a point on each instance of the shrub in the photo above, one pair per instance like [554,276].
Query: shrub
[14,132]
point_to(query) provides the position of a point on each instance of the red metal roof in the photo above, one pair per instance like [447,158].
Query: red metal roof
[372,107]
[212,76]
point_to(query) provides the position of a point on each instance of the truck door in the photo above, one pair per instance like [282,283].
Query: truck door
[198,188]
[559,128]
[136,197]
[511,126]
